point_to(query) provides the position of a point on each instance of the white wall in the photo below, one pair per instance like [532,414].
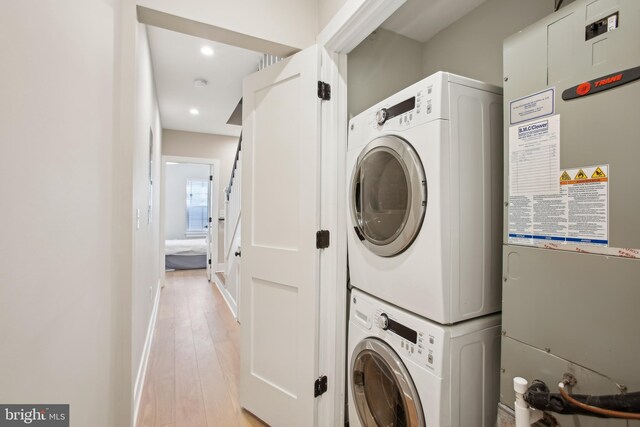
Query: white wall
[326,10]
[146,238]
[289,22]
[472,46]
[204,146]
[381,65]
[176,177]
[56,175]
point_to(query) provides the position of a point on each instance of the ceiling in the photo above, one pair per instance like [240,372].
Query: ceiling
[422,19]
[177,61]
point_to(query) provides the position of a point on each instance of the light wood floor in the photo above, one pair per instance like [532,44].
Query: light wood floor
[193,373]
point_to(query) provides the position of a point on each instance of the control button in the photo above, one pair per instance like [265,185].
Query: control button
[431,340]
[419,351]
[412,349]
[383,321]
[410,116]
[382,116]
[429,109]
[402,344]
[430,359]
[418,111]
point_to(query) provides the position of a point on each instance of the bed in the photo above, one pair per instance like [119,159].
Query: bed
[185,254]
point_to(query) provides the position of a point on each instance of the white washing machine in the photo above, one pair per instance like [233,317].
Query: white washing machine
[407,371]
[424,198]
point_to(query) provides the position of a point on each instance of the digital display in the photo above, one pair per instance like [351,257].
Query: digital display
[403,331]
[401,108]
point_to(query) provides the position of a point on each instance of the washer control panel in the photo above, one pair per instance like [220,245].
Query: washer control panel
[412,337]
[418,344]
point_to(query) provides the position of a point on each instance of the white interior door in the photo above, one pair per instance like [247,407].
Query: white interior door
[280,262]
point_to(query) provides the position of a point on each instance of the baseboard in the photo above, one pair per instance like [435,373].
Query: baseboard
[142,367]
[227,297]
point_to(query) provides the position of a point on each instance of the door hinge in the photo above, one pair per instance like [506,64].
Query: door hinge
[210,177]
[209,261]
[324,91]
[320,386]
[323,237]
[210,219]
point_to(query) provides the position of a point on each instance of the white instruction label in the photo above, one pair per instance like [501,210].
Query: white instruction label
[534,157]
[579,213]
[540,104]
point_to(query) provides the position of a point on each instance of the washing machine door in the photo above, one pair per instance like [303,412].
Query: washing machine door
[388,195]
[383,392]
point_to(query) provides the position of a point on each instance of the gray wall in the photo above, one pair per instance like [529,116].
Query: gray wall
[472,46]
[381,65]
[386,62]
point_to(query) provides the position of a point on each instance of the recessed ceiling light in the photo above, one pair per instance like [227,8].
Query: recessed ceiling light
[194,111]
[172,163]
[200,82]
[206,50]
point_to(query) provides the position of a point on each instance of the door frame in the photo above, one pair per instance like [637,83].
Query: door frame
[214,169]
[353,23]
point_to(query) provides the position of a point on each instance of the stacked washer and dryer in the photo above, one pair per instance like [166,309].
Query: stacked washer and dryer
[424,241]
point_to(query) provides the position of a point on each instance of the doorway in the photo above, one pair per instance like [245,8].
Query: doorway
[192,375]
[190,204]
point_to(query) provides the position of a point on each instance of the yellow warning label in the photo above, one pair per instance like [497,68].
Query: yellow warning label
[598,173]
[581,175]
[565,176]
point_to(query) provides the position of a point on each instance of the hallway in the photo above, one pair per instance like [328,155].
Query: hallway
[193,374]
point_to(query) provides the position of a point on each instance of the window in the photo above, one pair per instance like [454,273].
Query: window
[197,205]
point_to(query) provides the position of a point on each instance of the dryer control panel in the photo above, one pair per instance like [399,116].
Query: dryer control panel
[414,105]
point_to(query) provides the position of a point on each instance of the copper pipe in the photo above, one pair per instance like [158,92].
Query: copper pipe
[595,409]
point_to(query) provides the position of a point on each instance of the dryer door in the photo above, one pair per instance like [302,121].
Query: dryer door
[388,195]
[382,388]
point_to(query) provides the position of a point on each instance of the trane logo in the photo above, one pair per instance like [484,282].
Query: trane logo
[601,84]
[609,80]
[585,88]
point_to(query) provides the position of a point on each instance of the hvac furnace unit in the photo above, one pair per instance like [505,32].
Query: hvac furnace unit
[571,258]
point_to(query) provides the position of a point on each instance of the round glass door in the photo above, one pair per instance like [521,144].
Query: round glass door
[388,195]
[383,393]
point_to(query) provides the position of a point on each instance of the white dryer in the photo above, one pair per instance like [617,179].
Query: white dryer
[425,198]
[407,371]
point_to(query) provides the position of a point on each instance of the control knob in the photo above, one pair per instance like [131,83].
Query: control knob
[383,321]
[381,116]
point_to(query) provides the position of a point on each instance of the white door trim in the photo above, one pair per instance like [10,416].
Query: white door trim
[355,21]
[215,163]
